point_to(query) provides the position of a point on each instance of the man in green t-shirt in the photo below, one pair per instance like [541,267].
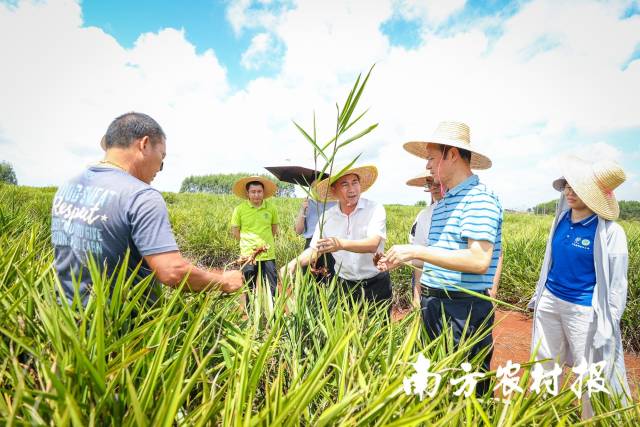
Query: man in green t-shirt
[255,223]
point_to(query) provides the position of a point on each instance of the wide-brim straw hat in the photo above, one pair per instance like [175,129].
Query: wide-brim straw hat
[366,174]
[420,180]
[240,186]
[453,134]
[593,183]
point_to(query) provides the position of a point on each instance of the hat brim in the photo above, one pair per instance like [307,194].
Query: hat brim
[579,175]
[479,161]
[420,180]
[367,176]
[240,190]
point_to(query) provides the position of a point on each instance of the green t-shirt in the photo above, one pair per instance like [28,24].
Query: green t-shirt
[255,228]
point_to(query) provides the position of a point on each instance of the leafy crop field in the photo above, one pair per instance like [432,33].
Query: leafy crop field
[194,360]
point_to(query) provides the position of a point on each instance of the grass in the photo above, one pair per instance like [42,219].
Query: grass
[191,359]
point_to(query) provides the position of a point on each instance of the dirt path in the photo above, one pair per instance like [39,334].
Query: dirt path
[512,341]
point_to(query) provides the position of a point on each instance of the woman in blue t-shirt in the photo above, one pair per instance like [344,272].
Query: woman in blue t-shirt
[582,290]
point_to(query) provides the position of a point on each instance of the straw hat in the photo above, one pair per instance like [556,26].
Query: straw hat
[453,134]
[240,186]
[593,183]
[366,174]
[420,180]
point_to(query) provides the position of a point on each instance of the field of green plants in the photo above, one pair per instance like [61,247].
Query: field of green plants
[193,359]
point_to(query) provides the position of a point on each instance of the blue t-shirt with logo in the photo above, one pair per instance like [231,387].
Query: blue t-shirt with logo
[572,276]
[103,212]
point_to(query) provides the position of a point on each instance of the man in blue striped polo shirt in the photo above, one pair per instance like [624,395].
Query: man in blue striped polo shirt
[464,242]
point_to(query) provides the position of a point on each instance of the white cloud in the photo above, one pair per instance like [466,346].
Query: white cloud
[261,52]
[68,82]
[242,14]
[434,12]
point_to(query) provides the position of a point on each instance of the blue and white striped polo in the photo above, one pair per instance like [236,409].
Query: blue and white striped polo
[467,211]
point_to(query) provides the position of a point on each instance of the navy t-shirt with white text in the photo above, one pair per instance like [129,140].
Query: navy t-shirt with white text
[105,212]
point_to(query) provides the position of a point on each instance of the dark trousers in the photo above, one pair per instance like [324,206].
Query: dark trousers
[266,269]
[456,311]
[375,289]
[325,260]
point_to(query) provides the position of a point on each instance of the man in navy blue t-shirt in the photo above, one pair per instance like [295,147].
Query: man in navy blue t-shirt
[110,209]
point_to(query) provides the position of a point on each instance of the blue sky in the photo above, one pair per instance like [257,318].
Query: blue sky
[534,79]
[203,21]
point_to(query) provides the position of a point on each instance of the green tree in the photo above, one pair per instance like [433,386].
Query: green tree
[7,174]
[223,183]
[629,209]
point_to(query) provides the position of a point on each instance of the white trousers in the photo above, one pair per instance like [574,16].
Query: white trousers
[562,330]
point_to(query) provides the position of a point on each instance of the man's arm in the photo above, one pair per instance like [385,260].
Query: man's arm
[235,232]
[274,229]
[362,246]
[299,226]
[171,268]
[493,292]
[476,258]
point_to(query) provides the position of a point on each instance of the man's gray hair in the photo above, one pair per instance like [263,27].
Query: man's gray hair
[129,127]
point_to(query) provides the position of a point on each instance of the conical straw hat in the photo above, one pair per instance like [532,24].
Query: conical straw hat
[420,180]
[593,183]
[366,174]
[240,190]
[453,134]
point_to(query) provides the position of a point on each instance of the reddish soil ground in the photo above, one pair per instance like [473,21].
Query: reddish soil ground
[512,341]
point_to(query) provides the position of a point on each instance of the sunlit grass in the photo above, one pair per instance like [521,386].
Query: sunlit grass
[192,359]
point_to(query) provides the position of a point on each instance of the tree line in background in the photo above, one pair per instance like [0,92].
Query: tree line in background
[629,209]
[7,174]
[223,184]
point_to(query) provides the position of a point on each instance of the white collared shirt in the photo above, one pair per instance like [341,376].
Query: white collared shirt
[419,233]
[367,220]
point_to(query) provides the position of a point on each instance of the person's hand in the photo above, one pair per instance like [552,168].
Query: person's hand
[399,254]
[493,293]
[384,264]
[287,270]
[232,280]
[328,245]
[377,257]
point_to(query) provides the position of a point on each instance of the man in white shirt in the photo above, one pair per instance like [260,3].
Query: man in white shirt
[352,231]
[419,233]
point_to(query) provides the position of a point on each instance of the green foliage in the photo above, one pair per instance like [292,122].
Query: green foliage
[547,208]
[421,203]
[223,184]
[7,174]
[629,209]
[326,152]
[192,360]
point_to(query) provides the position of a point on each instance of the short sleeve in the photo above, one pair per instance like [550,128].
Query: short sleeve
[274,215]
[150,227]
[378,223]
[422,224]
[235,217]
[480,218]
